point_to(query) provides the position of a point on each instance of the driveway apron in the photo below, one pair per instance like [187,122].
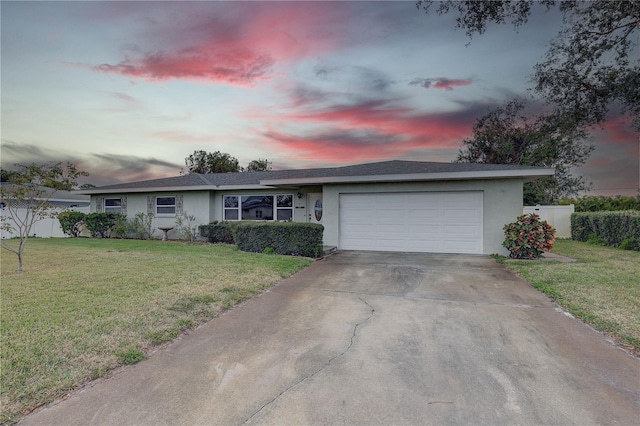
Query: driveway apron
[376,338]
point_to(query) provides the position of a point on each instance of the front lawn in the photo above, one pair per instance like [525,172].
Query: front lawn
[602,287]
[86,306]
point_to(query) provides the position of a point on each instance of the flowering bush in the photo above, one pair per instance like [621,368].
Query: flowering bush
[528,237]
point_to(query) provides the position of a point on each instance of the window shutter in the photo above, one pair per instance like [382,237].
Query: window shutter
[178,204]
[123,205]
[151,204]
[99,204]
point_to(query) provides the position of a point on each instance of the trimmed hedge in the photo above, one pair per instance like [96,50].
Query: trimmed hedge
[218,232]
[291,238]
[593,203]
[615,228]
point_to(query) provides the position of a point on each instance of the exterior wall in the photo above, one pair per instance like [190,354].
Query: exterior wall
[502,204]
[206,206]
[194,203]
[502,200]
[557,216]
[298,203]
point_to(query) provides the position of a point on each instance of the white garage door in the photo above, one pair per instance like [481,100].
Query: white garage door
[433,222]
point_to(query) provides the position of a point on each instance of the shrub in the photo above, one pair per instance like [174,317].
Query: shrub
[292,238]
[613,228]
[601,203]
[185,227]
[139,227]
[528,237]
[595,240]
[71,222]
[102,224]
[631,244]
[218,232]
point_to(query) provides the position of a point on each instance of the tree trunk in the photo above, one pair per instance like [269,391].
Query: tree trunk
[23,241]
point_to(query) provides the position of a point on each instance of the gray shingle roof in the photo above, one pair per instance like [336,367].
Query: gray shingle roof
[395,167]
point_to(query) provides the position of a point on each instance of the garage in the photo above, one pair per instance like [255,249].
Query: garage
[430,222]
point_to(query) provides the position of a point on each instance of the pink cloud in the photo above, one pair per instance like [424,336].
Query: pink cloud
[618,130]
[384,118]
[238,46]
[339,146]
[370,130]
[239,67]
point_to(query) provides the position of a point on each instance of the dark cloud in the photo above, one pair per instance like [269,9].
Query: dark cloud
[103,168]
[324,72]
[440,83]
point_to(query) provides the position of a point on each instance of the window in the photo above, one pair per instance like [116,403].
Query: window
[258,207]
[113,205]
[165,206]
[231,207]
[284,207]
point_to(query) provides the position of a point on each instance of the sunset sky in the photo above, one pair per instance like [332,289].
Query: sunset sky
[127,90]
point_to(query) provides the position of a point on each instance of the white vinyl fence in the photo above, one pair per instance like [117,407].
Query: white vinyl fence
[46,228]
[557,216]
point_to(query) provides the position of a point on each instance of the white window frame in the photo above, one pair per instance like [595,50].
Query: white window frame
[174,205]
[238,209]
[278,208]
[112,209]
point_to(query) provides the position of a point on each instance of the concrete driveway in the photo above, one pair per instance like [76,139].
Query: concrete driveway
[376,338]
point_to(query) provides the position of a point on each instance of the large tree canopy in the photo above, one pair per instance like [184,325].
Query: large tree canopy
[506,136]
[219,162]
[592,65]
[259,165]
[211,162]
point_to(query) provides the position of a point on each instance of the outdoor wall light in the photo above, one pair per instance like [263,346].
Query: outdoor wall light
[299,195]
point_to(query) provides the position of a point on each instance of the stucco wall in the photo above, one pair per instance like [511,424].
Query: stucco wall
[299,205]
[194,203]
[502,204]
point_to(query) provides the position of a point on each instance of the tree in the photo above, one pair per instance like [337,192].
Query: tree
[587,69]
[7,175]
[211,162]
[26,200]
[258,165]
[506,136]
[218,162]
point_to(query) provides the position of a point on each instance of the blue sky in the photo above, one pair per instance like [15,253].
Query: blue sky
[127,90]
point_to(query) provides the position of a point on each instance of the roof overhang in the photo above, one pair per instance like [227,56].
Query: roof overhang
[527,175]
[98,191]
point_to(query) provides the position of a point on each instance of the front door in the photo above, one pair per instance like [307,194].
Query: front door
[314,207]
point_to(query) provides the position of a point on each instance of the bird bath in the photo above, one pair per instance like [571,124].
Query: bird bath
[165,230]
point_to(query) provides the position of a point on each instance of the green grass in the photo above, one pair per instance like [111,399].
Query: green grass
[602,287]
[86,306]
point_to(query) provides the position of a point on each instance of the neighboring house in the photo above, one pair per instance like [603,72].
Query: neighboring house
[48,226]
[387,206]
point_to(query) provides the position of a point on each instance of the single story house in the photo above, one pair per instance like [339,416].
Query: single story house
[386,206]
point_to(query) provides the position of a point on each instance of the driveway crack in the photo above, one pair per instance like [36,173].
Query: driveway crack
[326,364]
